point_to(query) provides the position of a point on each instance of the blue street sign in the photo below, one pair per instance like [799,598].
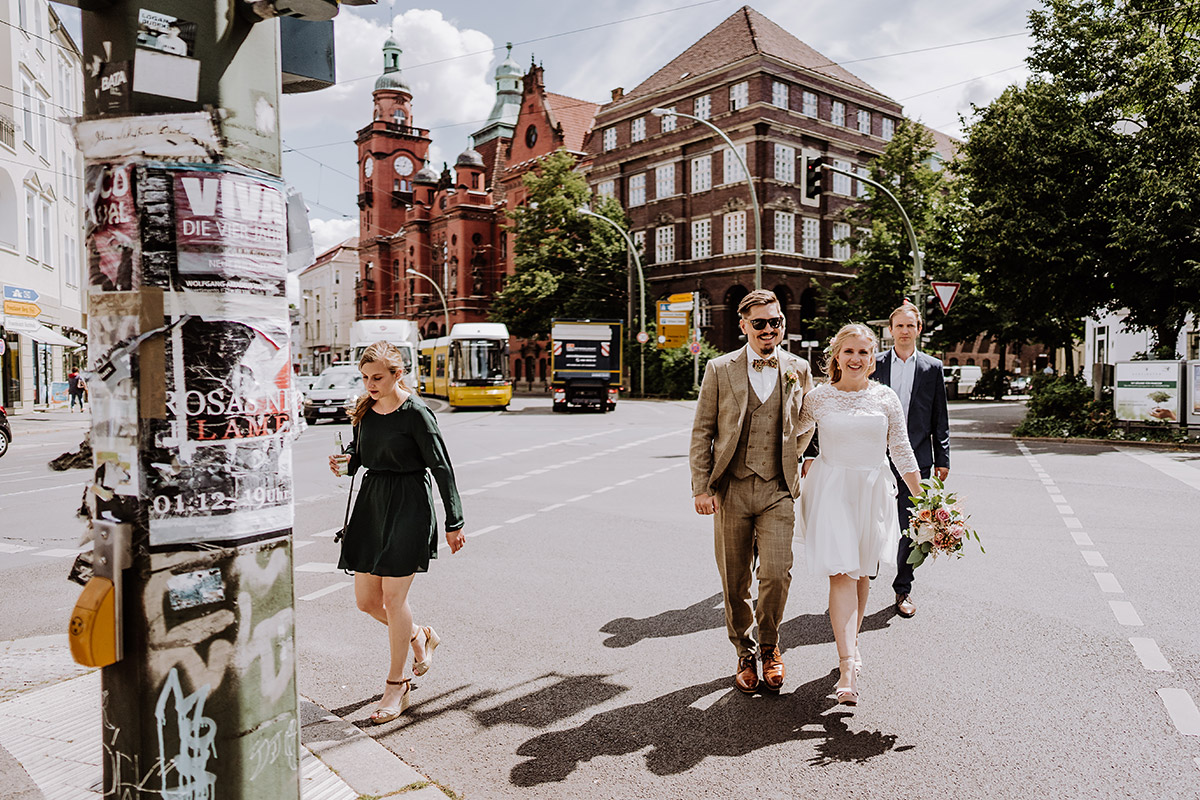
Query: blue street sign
[17,293]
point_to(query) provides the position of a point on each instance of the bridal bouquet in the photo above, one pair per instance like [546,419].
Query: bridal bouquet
[938,525]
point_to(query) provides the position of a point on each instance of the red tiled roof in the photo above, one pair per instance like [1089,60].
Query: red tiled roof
[744,34]
[575,116]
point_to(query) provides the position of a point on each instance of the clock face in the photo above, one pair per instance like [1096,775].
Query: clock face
[530,136]
[404,165]
[368,166]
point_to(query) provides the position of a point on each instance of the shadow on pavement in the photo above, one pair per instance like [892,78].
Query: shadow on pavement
[680,736]
[815,628]
[702,616]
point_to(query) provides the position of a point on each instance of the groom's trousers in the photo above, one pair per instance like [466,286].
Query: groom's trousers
[754,515]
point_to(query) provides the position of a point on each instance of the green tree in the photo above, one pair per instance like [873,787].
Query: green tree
[1128,71]
[566,265]
[882,260]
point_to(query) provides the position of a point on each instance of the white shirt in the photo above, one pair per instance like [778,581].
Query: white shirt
[763,380]
[904,374]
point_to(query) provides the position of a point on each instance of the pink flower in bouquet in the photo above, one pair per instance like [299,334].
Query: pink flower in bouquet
[942,515]
[925,515]
[956,531]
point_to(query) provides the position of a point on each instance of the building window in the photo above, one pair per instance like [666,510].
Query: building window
[664,244]
[809,108]
[639,241]
[732,170]
[862,187]
[610,139]
[337,278]
[811,237]
[701,238]
[669,121]
[735,232]
[703,107]
[785,232]
[31,237]
[637,129]
[701,174]
[664,181]
[43,126]
[47,233]
[606,189]
[739,96]
[841,247]
[637,190]
[841,183]
[864,121]
[779,94]
[27,115]
[838,113]
[785,163]
[888,128]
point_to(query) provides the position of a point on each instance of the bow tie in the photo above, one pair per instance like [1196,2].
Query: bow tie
[759,363]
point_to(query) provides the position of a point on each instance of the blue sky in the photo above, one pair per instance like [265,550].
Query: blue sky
[452,48]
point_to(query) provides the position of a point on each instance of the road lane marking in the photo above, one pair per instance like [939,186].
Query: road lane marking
[1064,510]
[1125,613]
[329,534]
[469,492]
[1093,558]
[47,489]
[317,566]
[482,531]
[603,489]
[302,543]
[495,484]
[1082,539]
[550,508]
[1108,583]
[625,482]
[1047,481]
[1167,466]
[1182,710]
[1072,522]
[333,587]
[515,520]
[1151,657]
[580,497]
[58,553]
[5,547]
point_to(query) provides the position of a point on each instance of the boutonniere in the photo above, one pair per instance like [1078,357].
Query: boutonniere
[791,379]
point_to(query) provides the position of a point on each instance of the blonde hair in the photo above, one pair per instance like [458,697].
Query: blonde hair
[383,353]
[907,308]
[853,329]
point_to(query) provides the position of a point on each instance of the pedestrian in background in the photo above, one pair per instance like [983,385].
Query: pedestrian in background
[75,390]
[744,458]
[918,381]
[392,533]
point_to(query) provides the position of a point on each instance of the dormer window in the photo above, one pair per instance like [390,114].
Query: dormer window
[399,117]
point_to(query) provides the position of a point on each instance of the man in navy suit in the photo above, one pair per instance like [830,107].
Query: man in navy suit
[917,379]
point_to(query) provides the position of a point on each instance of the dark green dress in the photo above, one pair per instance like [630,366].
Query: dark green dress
[393,530]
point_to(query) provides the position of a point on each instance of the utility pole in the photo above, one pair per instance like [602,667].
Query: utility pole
[190,611]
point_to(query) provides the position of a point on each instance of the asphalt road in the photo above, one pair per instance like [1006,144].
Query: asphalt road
[584,652]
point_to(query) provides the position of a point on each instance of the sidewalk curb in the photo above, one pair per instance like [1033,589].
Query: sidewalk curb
[364,764]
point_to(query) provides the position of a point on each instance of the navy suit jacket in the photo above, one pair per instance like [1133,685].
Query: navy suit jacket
[928,417]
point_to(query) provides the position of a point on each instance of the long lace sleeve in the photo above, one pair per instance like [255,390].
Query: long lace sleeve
[899,447]
[808,411]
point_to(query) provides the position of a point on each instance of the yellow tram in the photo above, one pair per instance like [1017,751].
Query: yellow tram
[468,368]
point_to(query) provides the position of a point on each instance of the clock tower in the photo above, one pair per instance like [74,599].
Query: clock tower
[391,151]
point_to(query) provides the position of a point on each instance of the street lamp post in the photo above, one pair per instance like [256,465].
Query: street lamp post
[666,112]
[641,285]
[441,295]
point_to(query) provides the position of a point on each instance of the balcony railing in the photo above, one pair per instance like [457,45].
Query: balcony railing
[8,132]
[365,199]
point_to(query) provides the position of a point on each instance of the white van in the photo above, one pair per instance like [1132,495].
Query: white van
[965,376]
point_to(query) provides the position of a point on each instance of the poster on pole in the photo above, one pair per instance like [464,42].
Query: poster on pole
[1193,395]
[114,262]
[1148,391]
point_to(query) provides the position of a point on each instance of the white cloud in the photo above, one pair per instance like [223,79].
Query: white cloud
[327,233]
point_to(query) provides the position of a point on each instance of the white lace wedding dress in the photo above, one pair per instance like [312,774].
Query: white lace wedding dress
[847,516]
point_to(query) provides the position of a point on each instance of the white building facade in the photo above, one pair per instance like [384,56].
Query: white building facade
[1105,341]
[327,307]
[41,191]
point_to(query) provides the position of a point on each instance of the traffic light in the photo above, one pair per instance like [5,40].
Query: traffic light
[814,177]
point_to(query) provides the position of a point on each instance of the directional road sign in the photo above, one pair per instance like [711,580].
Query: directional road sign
[946,291]
[19,293]
[18,308]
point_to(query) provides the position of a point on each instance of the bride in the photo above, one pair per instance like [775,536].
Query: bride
[848,504]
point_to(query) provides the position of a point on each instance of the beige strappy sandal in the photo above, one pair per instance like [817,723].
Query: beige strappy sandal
[432,640]
[385,715]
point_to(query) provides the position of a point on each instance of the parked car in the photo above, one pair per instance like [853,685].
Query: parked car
[961,380]
[304,382]
[332,389]
[5,432]
[1019,384]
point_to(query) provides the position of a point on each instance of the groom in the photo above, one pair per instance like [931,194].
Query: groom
[744,456]
[917,379]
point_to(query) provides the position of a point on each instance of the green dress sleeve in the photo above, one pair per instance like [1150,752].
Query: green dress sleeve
[433,453]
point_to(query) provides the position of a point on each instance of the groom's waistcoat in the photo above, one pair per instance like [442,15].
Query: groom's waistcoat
[758,445]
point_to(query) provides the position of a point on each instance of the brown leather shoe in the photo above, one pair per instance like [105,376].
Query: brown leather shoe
[747,675]
[905,607]
[772,668]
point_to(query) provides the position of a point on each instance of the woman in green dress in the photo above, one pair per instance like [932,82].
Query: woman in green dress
[392,534]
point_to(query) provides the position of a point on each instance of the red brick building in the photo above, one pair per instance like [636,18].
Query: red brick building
[778,100]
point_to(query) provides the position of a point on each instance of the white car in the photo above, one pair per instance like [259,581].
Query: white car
[328,395]
[965,376]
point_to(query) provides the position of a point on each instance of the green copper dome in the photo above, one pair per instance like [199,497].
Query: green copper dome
[390,79]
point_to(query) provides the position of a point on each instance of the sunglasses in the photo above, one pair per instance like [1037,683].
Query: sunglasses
[759,324]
